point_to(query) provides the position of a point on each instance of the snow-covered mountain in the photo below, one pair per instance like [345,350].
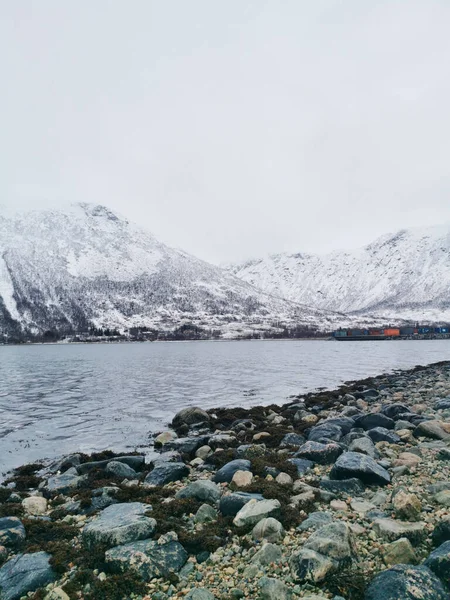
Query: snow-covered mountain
[403,275]
[87,266]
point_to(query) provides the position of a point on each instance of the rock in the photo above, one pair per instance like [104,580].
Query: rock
[12,532]
[226,473]
[325,433]
[164,437]
[392,530]
[431,429]
[261,436]
[439,562]
[407,459]
[442,404]
[406,582]
[231,504]
[119,524]
[121,470]
[190,416]
[362,506]
[255,511]
[373,420]
[222,440]
[205,514]
[186,445]
[393,410]
[203,489]
[273,589]
[381,434]
[199,594]
[268,529]
[308,565]
[444,454]
[350,487]
[65,483]
[25,573]
[354,464]
[303,501]
[345,424]
[242,478]
[203,452]
[407,506]
[334,541]
[147,558]
[323,454]
[364,445]
[443,498]
[269,553]
[284,479]
[103,497]
[315,520]
[292,440]
[35,505]
[399,552]
[441,532]
[164,473]
[57,594]
[302,465]
[339,505]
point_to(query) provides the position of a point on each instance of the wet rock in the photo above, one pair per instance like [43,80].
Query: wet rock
[190,416]
[399,552]
[268,529]
[203,489]
[273,589]
[292,440]
[119,524]
[12,532]
[392,530]
[165,473]
[121,470]
[25,573]
[315,520]
[381,434]
[373,420]
[303,465]
[442,404]
[350,487]
[406,582]
[35,505]
[231,504]
[393,410]
[255,511]
[439,562]
[354,464]
[364,445]
[147,558]
[441,532]
[323,454]
[226,473]
[308,565]
[334,541]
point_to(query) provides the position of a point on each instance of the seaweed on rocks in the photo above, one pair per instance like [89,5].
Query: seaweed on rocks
[274,460]
[349,582]
[24,478]
[41,534]
[13,509]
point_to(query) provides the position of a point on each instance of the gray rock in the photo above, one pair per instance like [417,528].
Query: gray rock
[373,420]
[364,445]
[147,558]
[441,532]
[406,582]
[325,433]
[231,504]
[335,541]
[186,445]
[315,520]
[381,434]
[269,553]
[255,511]
[222,440]
[391,530]
[354,464]
[103,497]
[292,440]
[225,474]
[190,416]
[393,410]
[349,487]
[204,490]
[273,589]
[166,472]
[199,594]
[308,565]
[12,532]
[444,454]
[65,483]
[439,562]
[121,470]
[119,524]
[442,404]
[269,529]
[25,573]
[323,454]
[431,429]
[303,465]
[205,514]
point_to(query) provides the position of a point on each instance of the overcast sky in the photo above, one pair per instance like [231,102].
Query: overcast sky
[231,128]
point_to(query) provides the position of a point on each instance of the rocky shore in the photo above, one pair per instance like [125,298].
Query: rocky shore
[342,494]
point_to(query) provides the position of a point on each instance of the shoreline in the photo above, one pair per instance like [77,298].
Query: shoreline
[355,475]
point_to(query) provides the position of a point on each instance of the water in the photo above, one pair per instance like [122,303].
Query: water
[64,398]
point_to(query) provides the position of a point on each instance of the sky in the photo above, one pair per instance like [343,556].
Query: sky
[231,129]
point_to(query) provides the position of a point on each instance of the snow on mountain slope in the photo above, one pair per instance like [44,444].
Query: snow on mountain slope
[403,275]
[71,269]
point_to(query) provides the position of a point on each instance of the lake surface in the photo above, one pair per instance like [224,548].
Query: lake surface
[57,399]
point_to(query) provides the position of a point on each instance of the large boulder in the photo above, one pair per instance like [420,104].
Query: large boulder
[325,433]
[121,470]
[391,530]
[231,504]
[12,532]
[364,445]
[166,472]
[323,454]
[226,473]
[308,565]
[254,511]
[348,487]
[381,434]
[315,520]
[269,529]
[186,445]
[406,582]
[334,541]
[373,420]
[65,483]
[190,416]
[204,490]
[119,524]
[393,410]
[303,465]
[354,464]
[439,562]
[25,573]
[431,429]
[148,559]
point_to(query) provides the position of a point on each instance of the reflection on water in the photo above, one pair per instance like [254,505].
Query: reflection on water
[63,398]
